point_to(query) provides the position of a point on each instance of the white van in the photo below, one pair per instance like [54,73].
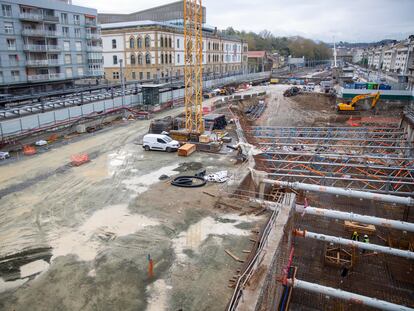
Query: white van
[159,142]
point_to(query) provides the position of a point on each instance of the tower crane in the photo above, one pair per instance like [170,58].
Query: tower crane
[193,67]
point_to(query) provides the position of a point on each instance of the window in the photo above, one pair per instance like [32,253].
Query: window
[8,28]
[159,140]
[65,32]
[170,42]
[77,33]
[148,59]
[148,75]
[15,75]
[166,42]
[139,42]
[13,60]
[68,72]
[132,43]
[80,72]
[162,58]
[68,59]
[178,58]
[140,59]
[79,59]
[11,44]
[64,18]
[113,43]
[78,45]
[134,76]
[147,41]
[141,75]
[76,19]
[1,77]
[133,59]
[66,45]
[178,43]
[115,59]
[162,42]
[115,75]
[7,10]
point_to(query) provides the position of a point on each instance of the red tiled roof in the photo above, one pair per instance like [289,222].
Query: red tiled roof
[256,54]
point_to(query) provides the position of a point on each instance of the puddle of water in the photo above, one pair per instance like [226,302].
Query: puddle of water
[32,268]
[140,184]
[158,296]
[200,231]
[104,225]
[5,286]
[116,160]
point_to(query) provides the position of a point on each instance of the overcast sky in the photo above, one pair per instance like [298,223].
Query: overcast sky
[347,20]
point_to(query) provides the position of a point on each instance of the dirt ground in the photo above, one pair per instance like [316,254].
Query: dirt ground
[80,238]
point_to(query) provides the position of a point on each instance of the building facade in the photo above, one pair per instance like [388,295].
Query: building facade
[168,12]
[154,50]
[45,43]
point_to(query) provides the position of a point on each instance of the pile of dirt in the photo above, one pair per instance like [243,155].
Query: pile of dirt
[315,101]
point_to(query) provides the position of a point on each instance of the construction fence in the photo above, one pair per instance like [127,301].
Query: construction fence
[26,124]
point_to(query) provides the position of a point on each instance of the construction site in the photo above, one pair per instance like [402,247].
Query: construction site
[267,197]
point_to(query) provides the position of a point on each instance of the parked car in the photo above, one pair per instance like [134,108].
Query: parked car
[160,142]
[4,155]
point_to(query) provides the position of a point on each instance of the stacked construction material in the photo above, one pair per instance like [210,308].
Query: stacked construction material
[161,125]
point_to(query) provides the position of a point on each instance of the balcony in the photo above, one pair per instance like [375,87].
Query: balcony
[89,22]
[94,48]
[43,63]
[41,48]
[94,36]
[33,17]
[46,77]
[40,33]
[95,73]
[51,18]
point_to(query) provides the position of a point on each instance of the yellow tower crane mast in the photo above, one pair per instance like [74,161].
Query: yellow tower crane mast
[193,67]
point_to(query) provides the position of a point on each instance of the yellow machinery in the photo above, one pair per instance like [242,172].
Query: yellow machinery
[193,69]
[353,105]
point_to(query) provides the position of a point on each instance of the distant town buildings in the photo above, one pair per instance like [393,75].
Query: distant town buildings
[46,44]
[395,59]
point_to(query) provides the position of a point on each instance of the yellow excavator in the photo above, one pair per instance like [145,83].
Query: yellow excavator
[354,104]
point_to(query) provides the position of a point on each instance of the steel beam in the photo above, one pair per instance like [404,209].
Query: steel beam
[409,201]
[370,220]
[347,296]
[356,244]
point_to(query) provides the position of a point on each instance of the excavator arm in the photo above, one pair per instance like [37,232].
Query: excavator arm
[351,106]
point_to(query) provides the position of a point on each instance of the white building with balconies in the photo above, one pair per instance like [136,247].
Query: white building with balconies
[47,43]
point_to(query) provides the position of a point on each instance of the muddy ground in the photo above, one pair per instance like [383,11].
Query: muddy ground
[80,238]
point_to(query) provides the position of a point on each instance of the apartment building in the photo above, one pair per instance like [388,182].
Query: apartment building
[152,50]
[47,43]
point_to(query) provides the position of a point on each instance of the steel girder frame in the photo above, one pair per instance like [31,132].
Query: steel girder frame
[352,172]
[371,159]
[335,140]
